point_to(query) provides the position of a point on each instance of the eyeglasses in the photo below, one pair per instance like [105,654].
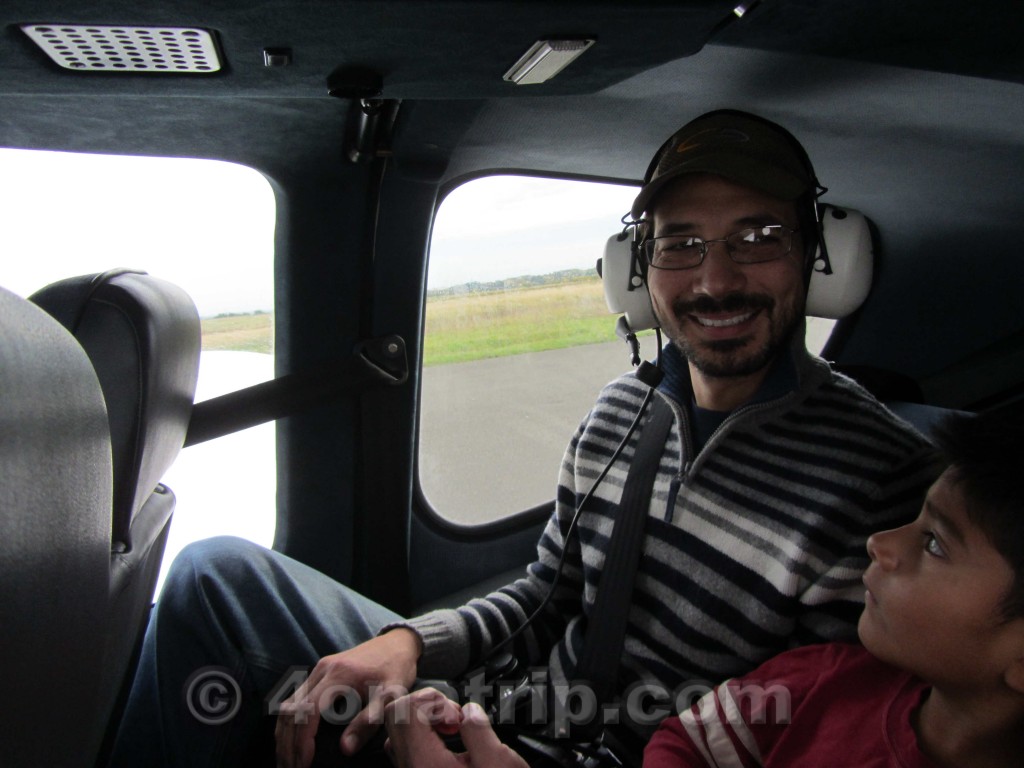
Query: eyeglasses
[748,246]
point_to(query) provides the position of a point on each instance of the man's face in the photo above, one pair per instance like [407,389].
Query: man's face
[728,319]
[934,589]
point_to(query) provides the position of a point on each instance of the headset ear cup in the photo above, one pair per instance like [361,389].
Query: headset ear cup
[641,232]
[820,262]
[814,247]
[625,286]
[638,264]
[812,236]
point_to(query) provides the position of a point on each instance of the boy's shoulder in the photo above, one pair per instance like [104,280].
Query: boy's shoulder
[811,665]
[825,685]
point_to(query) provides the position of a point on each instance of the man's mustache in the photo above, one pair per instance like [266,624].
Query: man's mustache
[731,304]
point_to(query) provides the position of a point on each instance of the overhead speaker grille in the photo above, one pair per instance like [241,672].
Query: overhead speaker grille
[95,48]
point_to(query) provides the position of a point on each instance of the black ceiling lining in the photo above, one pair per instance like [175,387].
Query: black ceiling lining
[439,49]
[819,99]
[966,37]
[452,49]
[457,50]
[275,136]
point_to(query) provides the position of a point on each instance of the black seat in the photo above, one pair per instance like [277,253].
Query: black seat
[55,502]
[142,335]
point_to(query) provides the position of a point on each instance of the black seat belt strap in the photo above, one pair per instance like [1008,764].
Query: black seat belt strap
[606,630]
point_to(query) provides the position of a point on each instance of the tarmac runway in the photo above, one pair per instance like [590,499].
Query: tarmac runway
[492,432]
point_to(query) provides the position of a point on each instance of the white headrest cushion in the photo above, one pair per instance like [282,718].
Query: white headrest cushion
[835,295]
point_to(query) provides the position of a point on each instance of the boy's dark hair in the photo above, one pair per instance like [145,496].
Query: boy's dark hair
[984,452]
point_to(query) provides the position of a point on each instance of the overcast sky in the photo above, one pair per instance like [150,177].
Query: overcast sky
[208,226]
[197,223]
[506,226]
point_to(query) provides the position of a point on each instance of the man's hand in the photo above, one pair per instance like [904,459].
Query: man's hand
[378,671]
[415,721]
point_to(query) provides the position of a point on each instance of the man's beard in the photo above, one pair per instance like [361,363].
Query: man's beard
[734,357]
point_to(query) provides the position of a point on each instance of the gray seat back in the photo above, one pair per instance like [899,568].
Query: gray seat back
[55,501]
[142,335]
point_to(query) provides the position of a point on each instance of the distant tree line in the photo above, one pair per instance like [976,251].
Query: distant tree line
[244,314]
[513,283]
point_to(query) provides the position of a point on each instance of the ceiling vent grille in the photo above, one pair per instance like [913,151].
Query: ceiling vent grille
[96,48]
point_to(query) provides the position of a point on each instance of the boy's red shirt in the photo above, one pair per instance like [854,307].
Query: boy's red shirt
[831,705]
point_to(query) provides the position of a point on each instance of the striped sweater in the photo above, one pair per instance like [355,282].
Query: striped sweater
[754,545]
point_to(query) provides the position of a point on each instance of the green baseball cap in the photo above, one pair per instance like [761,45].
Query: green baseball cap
[738,146]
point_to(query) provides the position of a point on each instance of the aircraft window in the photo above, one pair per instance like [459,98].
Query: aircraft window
[208,227]
[518,340]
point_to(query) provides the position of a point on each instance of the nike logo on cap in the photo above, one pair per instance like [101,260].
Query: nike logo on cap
[716,135]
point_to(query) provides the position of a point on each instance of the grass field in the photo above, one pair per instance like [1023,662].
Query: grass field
[495,324]
[468,327]
[241,333]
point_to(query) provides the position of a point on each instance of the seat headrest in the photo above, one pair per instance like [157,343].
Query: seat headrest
[837,294]
[142,335]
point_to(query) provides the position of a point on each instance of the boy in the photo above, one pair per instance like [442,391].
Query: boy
[940,679]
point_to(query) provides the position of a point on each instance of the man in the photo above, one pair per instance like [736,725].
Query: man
[773,474]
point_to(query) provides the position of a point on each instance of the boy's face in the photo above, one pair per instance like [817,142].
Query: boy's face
[934,588]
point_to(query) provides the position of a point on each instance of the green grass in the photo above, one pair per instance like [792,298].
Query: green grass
[243,333]
[500,323]
[470,326]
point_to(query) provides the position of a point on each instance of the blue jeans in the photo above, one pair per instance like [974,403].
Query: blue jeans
[234,620]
